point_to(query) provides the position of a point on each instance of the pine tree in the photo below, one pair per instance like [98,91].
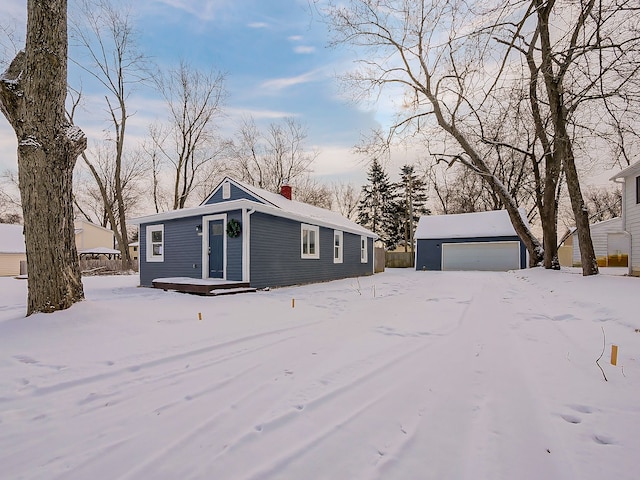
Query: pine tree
[411,201]
[377,208]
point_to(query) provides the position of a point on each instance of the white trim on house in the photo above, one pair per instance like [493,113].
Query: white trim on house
[364,249]
[339,247]
[226,206]
[312,239]
[205,244]
[246,244]
[149,241]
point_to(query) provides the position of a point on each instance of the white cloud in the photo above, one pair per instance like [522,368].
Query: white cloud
[285,82]
[295,38]
[336,162]
[257,25]
[238,112]
[204,9]
[304,49]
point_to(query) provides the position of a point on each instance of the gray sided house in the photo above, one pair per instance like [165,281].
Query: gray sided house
[469,241]
[246,234]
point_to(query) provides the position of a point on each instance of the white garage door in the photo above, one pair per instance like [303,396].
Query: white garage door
[495,256]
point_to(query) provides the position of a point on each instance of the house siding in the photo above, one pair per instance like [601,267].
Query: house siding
[92,236]
[234,250]
[182,251]
[599,234]
[429,251]
[632,220]
[236,194]
[276,260]
[10,263]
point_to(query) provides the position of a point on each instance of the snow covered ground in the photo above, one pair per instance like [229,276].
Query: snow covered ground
[403,375]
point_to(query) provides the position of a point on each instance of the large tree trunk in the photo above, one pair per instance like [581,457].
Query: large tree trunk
[562,142]
[532,244]
[581,216]
[32,97]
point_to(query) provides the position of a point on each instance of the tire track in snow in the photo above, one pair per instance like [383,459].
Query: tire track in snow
[318,410]
[58,387]
[468,418]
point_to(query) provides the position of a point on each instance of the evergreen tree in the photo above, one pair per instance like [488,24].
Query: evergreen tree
[377,207]
[410,204]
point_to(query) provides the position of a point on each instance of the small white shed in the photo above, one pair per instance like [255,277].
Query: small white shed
[610,244]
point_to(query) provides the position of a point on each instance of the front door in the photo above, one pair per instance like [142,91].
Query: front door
[216,249]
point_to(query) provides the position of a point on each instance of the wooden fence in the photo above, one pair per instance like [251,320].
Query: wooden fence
[103,266]
[399,259]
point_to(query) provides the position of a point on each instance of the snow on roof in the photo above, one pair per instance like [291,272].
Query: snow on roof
[301,208]
[99,251]
[612,224]
[11,238]
[275,204]
[495,223]
[630,170]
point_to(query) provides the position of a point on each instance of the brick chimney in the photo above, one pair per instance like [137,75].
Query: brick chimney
[285,191]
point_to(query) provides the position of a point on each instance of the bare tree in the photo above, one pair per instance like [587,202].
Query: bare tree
[32,98]
[346,198]
[603,203]
[419,46]
[309,190]
[90,199]
[107,36]
[10,205]
[577,65]
[272,158]
[188,142]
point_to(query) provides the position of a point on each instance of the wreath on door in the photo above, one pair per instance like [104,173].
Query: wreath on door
[233,228]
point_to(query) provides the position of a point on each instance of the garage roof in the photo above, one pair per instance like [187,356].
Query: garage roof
[495,223]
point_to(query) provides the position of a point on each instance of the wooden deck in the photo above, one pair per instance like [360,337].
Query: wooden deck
[196,286]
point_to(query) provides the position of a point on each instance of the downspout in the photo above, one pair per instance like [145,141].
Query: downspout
[246,243]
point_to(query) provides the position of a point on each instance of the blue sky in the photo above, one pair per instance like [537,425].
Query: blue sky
[276,57]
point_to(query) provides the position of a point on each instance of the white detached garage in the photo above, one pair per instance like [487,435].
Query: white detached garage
[469,241]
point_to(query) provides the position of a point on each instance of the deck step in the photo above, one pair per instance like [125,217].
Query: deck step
[203,288]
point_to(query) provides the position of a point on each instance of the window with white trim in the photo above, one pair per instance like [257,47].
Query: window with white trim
[364,256]
[337,246]
[155,243]
[310,241]
[226,191]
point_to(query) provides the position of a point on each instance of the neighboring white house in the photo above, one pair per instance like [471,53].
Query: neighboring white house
[629,178]
[88,237]
[610,244]
[91,236]
[12,250]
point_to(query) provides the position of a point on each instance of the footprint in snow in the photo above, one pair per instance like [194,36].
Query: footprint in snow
[571,419]
[604,439]
[581,408]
